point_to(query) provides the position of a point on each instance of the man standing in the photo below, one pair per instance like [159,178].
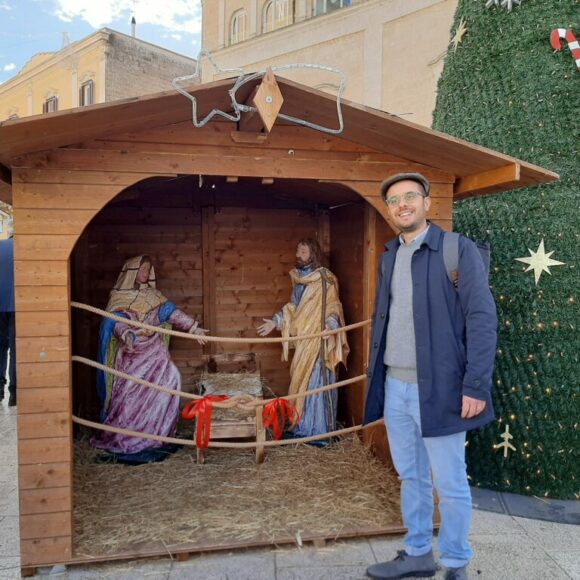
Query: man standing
[430,373]
[314,307]
[7,325]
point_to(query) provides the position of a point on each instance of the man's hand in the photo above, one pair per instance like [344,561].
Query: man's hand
[471,407]
[266,328]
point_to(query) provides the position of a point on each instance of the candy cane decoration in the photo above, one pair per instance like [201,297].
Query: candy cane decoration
[573,45]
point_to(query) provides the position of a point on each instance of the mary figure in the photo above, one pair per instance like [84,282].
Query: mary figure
[143,354]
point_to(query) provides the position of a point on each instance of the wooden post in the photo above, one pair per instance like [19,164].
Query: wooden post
[208,273]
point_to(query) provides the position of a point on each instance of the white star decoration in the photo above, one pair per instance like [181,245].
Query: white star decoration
[238,108]
[539,261]
[509,4]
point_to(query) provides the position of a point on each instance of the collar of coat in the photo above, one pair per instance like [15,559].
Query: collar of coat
[432,239]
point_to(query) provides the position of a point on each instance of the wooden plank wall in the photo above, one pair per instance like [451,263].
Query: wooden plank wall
[255,249]
[241,279]
[167,227]
[43,370]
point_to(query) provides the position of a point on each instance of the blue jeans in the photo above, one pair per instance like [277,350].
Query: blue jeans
[414,458]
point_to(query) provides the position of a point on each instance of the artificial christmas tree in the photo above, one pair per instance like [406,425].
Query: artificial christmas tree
[505,87]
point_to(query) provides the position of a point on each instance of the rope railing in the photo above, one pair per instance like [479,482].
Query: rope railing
[246,402]
[243,402]
[224,444]
[209,338]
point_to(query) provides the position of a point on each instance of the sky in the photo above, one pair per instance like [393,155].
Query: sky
[28,27]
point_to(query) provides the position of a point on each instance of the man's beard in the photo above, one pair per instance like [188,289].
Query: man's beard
[300,264]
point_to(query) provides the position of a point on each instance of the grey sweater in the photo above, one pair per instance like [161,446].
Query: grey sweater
[400,354]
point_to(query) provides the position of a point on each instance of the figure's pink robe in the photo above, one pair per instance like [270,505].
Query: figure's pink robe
[136,407]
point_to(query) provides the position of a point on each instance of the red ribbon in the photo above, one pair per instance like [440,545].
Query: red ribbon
[202,408]
[278,412]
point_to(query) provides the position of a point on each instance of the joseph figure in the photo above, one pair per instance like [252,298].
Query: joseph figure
[314,306]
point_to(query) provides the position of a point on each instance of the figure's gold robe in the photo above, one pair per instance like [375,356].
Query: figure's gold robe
[307,318]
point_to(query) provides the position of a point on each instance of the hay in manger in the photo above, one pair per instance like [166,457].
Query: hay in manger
[232,385]
[246,381]
[299,493]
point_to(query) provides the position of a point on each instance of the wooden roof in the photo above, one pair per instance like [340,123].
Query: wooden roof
[478,170]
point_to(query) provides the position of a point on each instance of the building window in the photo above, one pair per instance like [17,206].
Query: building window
[276,14]
[50,105]
[238,27]
[87,94]
[325,6]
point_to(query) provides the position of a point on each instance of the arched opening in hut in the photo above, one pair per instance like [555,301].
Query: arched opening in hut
[222,248]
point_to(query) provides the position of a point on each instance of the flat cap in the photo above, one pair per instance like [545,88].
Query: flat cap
[402,177]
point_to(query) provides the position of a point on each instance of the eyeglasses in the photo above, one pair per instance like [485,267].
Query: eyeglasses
[409,196]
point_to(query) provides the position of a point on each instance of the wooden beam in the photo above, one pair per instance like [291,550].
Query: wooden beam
[240,143]
[243,165]
[222,134]
[44,551]
[41,526]
[491,181]
[44,247]
[41,476]
[156,549]
[41,451]
[248,137]
[59,196]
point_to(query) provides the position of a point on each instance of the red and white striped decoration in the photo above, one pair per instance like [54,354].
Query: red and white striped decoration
[569,37]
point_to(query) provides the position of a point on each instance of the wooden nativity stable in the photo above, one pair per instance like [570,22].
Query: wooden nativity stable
[219,209]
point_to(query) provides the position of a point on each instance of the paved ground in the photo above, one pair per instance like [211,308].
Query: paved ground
[507,547]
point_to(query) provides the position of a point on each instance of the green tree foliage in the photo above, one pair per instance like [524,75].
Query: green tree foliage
[505,88]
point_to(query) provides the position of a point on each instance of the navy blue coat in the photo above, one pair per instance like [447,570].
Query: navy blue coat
[455,336]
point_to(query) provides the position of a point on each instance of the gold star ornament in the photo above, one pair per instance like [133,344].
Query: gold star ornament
[539,261]
[459,34]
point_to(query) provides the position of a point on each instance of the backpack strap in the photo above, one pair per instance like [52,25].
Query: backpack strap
[451,256]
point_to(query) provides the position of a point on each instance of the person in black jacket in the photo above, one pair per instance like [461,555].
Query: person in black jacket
[430,375]
[7,321]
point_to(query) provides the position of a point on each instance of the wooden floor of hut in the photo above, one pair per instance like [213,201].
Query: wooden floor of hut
[300,493]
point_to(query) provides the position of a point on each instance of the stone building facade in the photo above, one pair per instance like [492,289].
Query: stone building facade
[104,66]
[391,51]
